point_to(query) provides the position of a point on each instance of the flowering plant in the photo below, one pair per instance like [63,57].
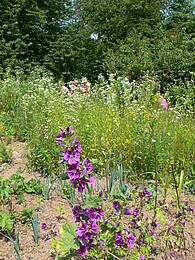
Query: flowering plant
[117,227]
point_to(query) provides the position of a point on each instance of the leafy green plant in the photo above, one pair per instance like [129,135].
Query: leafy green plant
[5,190]
[6,222]
[26,215]
[5,153]
[68,240]
[61,211]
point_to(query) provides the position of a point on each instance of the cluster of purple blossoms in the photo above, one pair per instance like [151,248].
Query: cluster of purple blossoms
[88,229]
[50,228]
[79,174]
[121,239]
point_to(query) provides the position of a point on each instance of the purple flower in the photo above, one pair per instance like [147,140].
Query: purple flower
[95,214]
[134,223]
[82,251]
[154,224]
[43,226]
[91,180]
[128,211]
[94,227]
[130,240]
[136,211]
[71,156]
[47,238]
[172,254]
[73,172]
[119,239]
[88,166]
[191,208]
[141,257]
[76,213]
[116,205]
[82,232]
[100,194]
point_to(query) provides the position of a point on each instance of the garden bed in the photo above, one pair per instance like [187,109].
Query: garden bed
[51,216]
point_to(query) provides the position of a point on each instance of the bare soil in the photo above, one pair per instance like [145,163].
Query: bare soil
[49,214]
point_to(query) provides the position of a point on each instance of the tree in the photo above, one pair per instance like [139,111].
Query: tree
[28,29]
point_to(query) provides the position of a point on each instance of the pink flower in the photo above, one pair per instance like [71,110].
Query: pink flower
[163,102]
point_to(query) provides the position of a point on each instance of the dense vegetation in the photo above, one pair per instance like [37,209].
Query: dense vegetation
[75,38]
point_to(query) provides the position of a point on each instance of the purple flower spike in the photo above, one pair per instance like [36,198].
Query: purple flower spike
[191,208]
[130,240]
[141,257]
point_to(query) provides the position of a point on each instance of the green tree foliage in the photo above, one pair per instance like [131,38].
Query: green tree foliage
[180,15]
[170,57]
[28,29]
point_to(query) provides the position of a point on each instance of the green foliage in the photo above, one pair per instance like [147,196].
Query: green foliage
[46,186]
[5,153]
[169,56]
[92,202]
[15,244]
[5,190]
[68,239]
[34,223]
[26,215]
[6,222]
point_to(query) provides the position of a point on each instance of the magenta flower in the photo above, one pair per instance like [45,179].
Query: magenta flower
[141,257]
[130,240]
[73,173]
[163,102]
[128,211]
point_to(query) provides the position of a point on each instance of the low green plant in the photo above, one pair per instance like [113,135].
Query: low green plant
[6,222]
[46,186]
[15,243]
[5,190]
[34,222]
[5,153]
[126,222]
[26,215]
[61,211]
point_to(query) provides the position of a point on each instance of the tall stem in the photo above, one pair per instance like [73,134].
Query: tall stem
[155,205]
[178,206]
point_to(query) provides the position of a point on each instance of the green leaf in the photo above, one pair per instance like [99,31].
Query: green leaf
[161,217]
[6,221]
[68,239]
[93,202]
